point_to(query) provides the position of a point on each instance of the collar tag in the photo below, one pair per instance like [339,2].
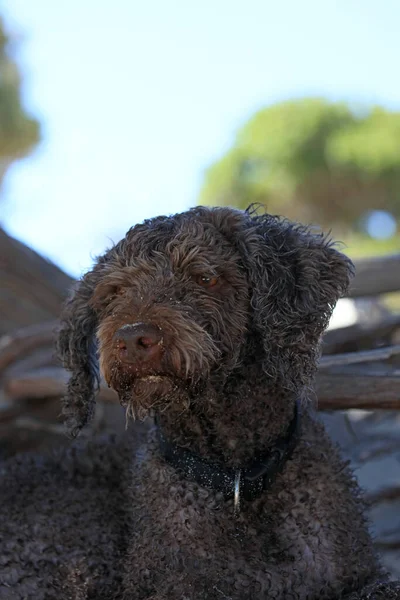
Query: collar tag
[236,491]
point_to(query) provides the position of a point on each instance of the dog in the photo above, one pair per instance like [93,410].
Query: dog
[209,322]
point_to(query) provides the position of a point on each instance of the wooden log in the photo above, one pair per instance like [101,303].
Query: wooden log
[46,383]
[388,494]
[39,383]
[375,276]
[359,380]
[344,391]
[32,288]
[39,358]
[19,343]
[351,358]
[356,337]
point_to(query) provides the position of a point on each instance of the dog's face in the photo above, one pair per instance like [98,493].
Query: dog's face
[189,301]
[172,314]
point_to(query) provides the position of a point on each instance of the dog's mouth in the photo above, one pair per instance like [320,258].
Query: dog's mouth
[152,378]
[136,383]
[146,394]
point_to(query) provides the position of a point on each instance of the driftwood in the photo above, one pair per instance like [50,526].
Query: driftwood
[32,289]
[357,337]
[376,276]
[39,383]
[388,494]
[45,383]
[342,360]
[343,391]
[23,341]
[365,380]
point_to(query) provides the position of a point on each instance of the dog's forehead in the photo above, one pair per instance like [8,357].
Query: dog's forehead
[177,237]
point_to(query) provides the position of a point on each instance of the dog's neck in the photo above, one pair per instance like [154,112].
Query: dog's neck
[234,425]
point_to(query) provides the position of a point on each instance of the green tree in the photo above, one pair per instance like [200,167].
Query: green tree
[311,160]
[19,132]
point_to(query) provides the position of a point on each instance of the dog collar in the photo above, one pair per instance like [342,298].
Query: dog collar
[248,482]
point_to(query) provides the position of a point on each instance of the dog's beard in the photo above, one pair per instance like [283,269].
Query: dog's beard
[146,395]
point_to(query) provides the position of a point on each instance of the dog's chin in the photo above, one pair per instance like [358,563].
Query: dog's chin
[149,394]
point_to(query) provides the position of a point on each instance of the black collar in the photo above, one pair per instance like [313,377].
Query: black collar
[248,482]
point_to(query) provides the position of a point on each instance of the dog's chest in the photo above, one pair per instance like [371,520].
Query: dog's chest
[186,534]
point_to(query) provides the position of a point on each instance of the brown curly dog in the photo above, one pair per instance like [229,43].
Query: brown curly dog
[210,321]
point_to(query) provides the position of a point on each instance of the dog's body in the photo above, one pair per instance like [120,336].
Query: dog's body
[292,542]
[212,321]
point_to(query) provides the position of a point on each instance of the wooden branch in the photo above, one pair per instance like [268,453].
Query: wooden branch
[356,337]
[387,544]
[375,276]
[32,288]
[359,380]
[46,383]
[386,448]
[40,383]
[38,425]
[22,341]
[342,392]
[351,358]
[37,359]
[387,494]
[33,424]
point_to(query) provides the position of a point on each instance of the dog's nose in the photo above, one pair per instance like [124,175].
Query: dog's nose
[138,343]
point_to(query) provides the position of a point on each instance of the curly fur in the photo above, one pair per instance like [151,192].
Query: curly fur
[236,354]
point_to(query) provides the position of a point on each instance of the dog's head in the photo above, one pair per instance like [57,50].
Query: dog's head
[187,301]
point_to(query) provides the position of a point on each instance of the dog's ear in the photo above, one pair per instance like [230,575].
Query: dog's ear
[295,273]
[76,347]
[296,277]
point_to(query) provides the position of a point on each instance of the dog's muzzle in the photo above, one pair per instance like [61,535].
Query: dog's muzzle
[140,347]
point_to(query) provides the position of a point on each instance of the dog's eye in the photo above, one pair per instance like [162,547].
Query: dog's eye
[206,280]
[116,290]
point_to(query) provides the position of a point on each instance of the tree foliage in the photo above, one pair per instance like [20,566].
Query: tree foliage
[19,132]
[312,160]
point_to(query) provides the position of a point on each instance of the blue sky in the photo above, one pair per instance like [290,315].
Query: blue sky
[138,97]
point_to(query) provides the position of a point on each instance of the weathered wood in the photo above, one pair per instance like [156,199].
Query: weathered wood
[387,494]
[17,344]
[344,391]
[375,276]
[39,383]
[356,337]
[32,289]
[339,360]
[45,383]
[39,358]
